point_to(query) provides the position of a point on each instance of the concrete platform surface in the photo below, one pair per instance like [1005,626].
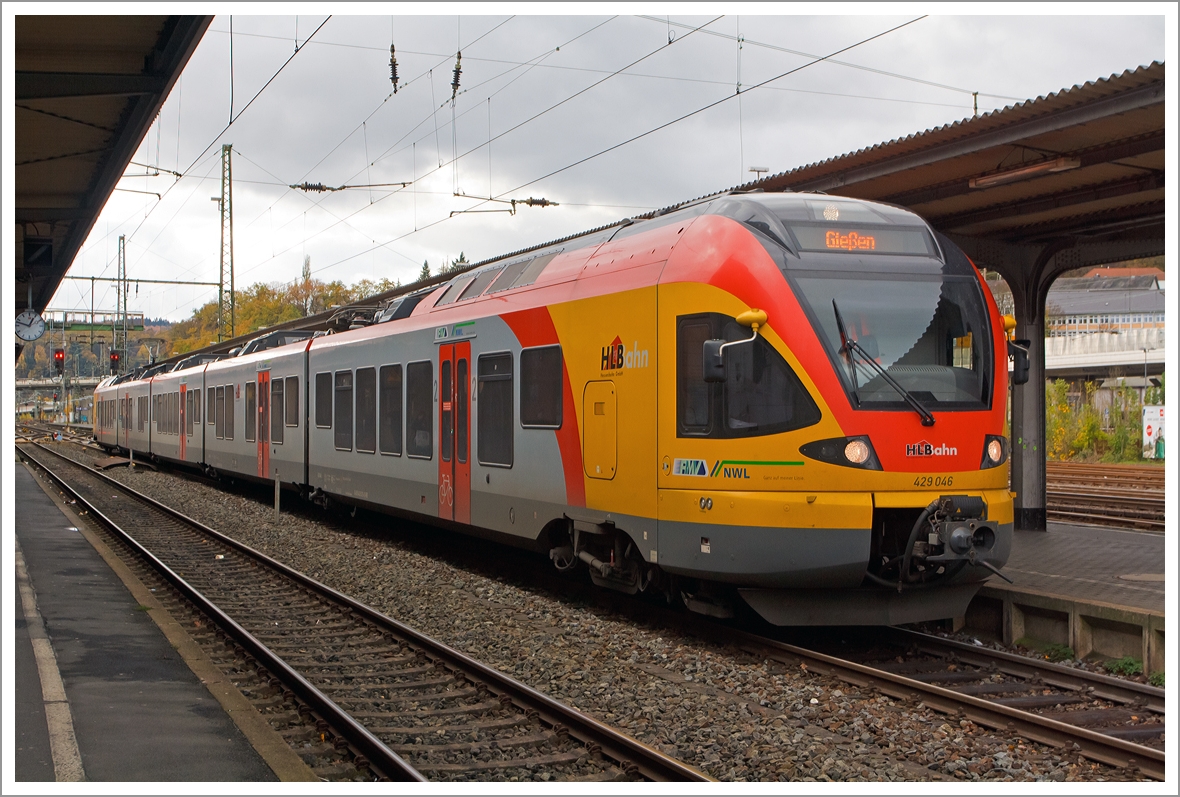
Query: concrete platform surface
[1089,564]
[139,713]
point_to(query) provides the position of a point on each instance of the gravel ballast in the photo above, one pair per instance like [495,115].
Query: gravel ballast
[715,707]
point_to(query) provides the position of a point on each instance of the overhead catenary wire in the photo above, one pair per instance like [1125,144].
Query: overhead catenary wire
[816,60]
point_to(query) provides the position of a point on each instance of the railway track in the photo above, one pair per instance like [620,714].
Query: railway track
[398,704]
[1116,722]
[1128,496]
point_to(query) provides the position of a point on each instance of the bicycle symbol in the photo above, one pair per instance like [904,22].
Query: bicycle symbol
[446,496]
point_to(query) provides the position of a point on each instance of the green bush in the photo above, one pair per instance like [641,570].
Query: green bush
[1127,665]
[1058,652]
[1157,679]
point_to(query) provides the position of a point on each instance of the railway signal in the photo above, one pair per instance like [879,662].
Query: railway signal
[114,361]
[59,360]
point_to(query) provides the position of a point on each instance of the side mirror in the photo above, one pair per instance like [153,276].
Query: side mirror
[713,361]
[1018,351]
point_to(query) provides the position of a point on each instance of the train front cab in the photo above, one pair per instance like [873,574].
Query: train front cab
[804,477]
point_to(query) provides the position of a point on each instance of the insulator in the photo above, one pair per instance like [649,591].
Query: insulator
[458,71]
[312,187]
[393,68]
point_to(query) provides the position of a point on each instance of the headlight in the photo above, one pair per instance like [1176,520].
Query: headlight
[995,452]
[851,452]
[856,452]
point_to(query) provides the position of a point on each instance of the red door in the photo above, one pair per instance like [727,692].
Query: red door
[183,417]
[454,439]
[263,421]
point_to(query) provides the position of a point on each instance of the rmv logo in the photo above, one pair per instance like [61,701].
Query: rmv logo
[615,356]
[924,449]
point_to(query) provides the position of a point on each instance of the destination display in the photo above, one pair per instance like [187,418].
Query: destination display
[875,240]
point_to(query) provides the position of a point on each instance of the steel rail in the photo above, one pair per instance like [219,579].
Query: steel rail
[1091,744]
[1104,686]
[633,755]
[376,754]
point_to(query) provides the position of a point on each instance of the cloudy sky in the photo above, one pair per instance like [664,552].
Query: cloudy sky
[552,93]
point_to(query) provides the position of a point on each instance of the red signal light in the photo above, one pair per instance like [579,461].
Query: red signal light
[59,360]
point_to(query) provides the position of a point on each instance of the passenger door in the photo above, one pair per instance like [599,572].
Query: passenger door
[263,424]
[454,439]
[183,418]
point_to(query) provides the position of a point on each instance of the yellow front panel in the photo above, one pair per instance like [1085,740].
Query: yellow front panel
[850,510]
[612,339]
[999,502]
[599,449]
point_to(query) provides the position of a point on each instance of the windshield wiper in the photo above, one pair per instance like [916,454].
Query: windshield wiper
[847,344]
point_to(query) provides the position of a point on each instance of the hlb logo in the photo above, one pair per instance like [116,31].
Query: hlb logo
[924,449]
[616,357]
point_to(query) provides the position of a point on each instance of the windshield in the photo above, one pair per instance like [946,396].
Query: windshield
[928,331]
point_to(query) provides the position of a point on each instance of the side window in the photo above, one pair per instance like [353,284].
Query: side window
[391,410]
[323,400]
[540,387]
[276,410]
[366,410]
[495,409]
[420,409]
[761,395]
[693,393]
[251,411]
[197,406]
[220,427]
[211,406]
[342,418]
[190,402]
[292,415]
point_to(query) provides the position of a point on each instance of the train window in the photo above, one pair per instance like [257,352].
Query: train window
[761,394]
[420,409]
[693,393]
[391,410]
[229,412]
[447,427]
[276,410]
[540,387]
[495,409]
[462,385]
[323,400]
[188,413]
[210,405]
[342,419]
[366,410]
[197,406]
[292,413]
[251,412]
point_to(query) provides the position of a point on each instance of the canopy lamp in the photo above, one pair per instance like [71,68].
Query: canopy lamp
[1024,172]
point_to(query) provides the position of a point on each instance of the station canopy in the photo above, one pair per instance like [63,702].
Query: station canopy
[87,90]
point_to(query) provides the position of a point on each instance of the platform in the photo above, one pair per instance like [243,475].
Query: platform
[1101,591]
[133,710]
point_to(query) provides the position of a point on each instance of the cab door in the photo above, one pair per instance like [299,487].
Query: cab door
[454,439]
[263,420]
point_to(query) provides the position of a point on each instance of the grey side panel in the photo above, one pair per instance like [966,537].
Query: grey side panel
[766,556]
[859,606]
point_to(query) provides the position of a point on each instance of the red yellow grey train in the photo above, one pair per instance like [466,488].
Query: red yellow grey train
[792,400]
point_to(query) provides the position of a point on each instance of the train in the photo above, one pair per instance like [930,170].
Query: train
[790,403]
